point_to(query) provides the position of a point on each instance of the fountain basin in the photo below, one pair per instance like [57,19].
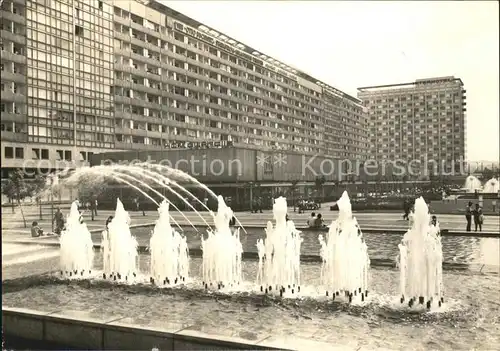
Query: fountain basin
[470,321]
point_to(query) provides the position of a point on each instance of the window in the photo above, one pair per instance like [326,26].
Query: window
[100,5]
[35,154]
[9,152]
[45,154]
[79,31]
[19,152]
[67,155]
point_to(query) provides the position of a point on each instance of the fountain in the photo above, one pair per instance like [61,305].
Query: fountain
[472,184]
[279,254]
[121,248]
[222,251]
[77,249]
[420,260]
[169,251]
[344,270]
[345,256]
[491,186]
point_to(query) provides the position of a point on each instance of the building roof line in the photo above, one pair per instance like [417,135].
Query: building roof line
[418,82]
[249,50]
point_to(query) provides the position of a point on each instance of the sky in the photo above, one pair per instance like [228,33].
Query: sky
[351,44]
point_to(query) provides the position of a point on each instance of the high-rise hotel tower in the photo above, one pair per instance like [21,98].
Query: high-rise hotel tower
[423,120]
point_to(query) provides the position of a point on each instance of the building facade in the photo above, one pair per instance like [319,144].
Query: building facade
[237,173]
[424,120]
[57,79]
[87,76]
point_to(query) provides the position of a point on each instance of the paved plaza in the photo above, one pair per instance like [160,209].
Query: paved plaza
[12,224]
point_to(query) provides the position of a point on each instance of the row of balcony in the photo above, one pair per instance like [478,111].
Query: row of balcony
[13,77]
[9,56]
[13,37]
[14,17]
[127,38]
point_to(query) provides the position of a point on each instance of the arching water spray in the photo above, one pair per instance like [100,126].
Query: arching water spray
[184,176]
[152,176]
[161,195]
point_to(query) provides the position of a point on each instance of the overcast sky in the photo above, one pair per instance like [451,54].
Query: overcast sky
[349,44]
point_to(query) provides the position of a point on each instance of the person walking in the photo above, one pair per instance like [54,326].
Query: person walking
[58,221]
[478,218]
[406,208]
[468,215]
[138,206]
[93,208]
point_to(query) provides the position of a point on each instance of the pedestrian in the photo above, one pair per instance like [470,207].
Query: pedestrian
[312,220]
[318,223]
[478,218]
[434,221]
[494,205]
[260,204]
[93,208]
[138,206]
[110,218]
[58,221]
[36,231]
[468,215]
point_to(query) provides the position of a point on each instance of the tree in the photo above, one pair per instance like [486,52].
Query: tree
[488,173]
[37,186]
[16,189]
[89,190]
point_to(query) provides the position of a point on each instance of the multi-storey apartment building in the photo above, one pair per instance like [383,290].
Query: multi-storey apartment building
[84,76]
[57,78]
[423,120]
